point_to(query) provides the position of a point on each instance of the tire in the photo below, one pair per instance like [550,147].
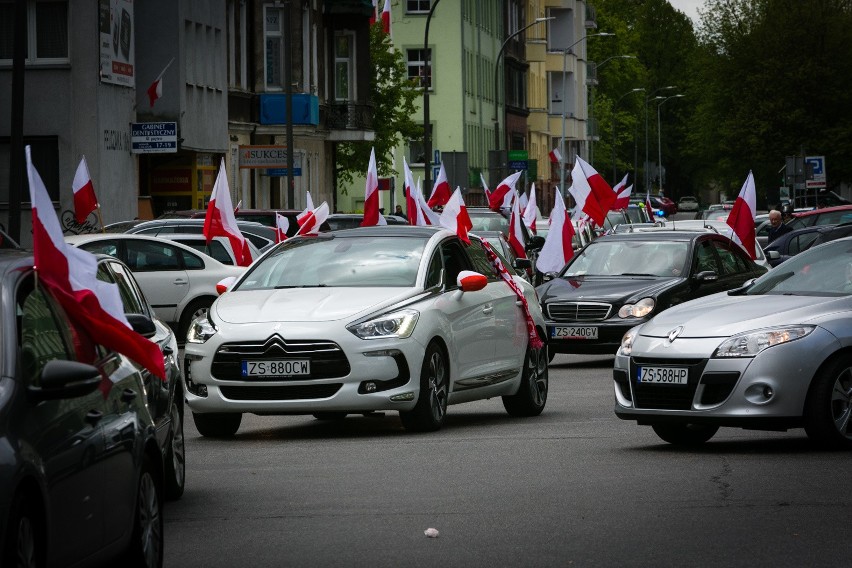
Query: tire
[195,309]
[175,458]
[330,416]
[146,541]
[431,408]
[827,408]
[217,424]
[532,394]
[25,542]
[683,434]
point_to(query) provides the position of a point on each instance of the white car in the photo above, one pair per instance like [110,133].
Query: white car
[219,247]
[397,318]
[179,281]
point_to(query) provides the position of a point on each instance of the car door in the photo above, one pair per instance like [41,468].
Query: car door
[158,268]
[705,260]
[66,434]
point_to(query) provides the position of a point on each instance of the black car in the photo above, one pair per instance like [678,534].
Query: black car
[81,466]
[621,280]
[793,242]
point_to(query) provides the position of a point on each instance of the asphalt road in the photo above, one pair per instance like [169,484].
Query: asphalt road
[573,487]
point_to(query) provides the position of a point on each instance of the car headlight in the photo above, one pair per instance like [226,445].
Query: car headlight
[200,330]
[638,310]
[751,343]
[627,341]
[398,324]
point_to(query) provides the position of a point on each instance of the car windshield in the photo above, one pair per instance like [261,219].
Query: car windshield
[338,262]
[821,271]
[630,258]
[488,221]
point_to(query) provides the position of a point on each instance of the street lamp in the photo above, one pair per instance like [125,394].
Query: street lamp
[497,76]
[592,100]
[614,109]
[647,100]
[659,138]
[564,91]
[427,72]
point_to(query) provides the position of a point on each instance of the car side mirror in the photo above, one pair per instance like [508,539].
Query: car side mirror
[535,243]
[522,263]
[706,276]
[142,324]
[469,281]
[772,254]
[548,276]
[65,379]
[225,283]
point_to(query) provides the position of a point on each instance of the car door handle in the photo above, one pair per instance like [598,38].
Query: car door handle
[127,395]
[93,416]
[488,309]
[519,303]
[180,282]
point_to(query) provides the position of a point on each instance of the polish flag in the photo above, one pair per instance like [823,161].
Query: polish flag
[312,223]
[484,186]
[71,276]
[555,156]
[221,222]
[558,248]
[516,235]
[530,210]
[741,218]
[455,217]
[441,190]
[648,206]
[372,215]
[237,208]
[622,194]
[155,91]
[309,206]
[418,210]
[425,215]
[591,192]
[373,13]
[497,198]
[84,192]
[386,17]
[282,225]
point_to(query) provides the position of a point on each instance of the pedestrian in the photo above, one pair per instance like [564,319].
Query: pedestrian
[398,212]
[776,226]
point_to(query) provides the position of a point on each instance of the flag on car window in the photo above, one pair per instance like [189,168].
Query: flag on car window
[741,218]
[531,210]
[455,218]
[497,198]
[558,248]
[441,190]
[372,215]
[592,193]
[220,220]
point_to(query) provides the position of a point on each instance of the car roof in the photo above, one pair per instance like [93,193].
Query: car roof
[823,210]
[78,239]
[386,231]
[662,234]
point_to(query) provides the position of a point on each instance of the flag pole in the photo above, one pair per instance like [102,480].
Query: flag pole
[100,220]
[166,68]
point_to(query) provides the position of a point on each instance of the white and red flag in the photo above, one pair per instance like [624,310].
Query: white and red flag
[309,206]
[155,91]
[555,156]
[70,274]
[314,220]
[220,220]
[741,218]
[591,192]
[498,197]
[516,235]
[386,17]
[372,215]
[558,248]
[530,211]
[484,186]
[455,218]
[282,225]
[84,192]
[622,194]
[441,190]
[418,211]
[648,206]
[237,208]
[373,13]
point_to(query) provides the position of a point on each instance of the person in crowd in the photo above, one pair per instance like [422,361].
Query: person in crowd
[776,225]
[398,212]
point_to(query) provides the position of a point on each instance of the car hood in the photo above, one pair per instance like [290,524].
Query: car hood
[722,315]
[305,304]
[610,289]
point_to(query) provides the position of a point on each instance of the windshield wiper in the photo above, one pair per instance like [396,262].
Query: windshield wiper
[634,274]
[302,286]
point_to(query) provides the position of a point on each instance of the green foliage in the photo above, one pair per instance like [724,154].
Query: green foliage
[393,98]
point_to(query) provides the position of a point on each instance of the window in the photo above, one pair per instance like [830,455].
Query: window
[417,72]
[46,31]
[455,261]
[109,247]
[416,149]
[274,55]
[44,335]
[191,262]
[433,275]
[344,66]
[144,256]
[131,297]
[417,6]
[481,263]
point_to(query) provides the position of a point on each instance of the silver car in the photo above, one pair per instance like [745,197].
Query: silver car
[772,355]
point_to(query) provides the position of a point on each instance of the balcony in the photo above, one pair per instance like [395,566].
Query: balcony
[349,122]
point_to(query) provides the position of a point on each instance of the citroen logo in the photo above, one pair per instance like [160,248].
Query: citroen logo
[672,335]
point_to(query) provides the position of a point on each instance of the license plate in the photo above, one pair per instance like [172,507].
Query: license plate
[587,332]
[288,368]
[663,375]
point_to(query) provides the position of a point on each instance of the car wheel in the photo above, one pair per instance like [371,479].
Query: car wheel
[146,542]
[827,409]
[431,408]
[532,394]
[195,309]
[175,456]
[683,434]
[24,536]
[217,424]
[330,415]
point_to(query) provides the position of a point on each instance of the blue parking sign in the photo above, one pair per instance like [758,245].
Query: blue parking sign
[817,166]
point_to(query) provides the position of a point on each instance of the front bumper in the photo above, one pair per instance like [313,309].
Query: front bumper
[767,391]
[609,335]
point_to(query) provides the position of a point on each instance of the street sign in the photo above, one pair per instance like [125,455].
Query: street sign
[436,155]
[282,172]
[153,137]
[264,157]
[518,155]
[517,164]
[817,164]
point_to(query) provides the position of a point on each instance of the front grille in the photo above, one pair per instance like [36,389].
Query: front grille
[665,397]
[327,359]
[578,311]
[718,386]
[288,392]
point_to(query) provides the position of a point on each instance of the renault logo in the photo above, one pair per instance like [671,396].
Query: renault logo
[672,335]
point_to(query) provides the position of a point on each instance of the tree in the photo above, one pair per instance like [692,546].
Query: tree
[393,97]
